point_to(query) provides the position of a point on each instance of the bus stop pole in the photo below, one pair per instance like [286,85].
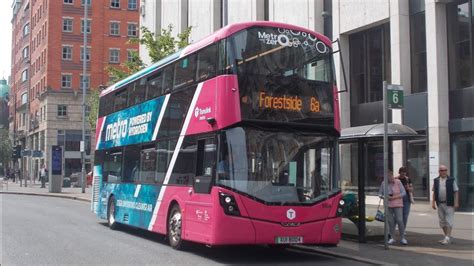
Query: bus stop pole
[385,163]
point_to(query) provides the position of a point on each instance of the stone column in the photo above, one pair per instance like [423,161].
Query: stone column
[438,90]
[400,66]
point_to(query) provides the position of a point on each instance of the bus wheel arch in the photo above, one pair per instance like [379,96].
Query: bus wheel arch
[111,210]
[174,226]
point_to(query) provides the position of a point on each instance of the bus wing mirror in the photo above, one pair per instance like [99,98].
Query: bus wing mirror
[338,51]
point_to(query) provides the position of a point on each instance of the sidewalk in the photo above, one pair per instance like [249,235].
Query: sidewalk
[423,233]
[35,189]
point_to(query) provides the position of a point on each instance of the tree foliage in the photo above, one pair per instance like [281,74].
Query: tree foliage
[158,47]
[5,147]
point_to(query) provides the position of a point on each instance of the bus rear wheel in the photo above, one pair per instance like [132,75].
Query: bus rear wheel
[111,214]
[174,228]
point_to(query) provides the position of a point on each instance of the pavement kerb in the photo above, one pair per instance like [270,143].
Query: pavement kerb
[46,195]
[339,255]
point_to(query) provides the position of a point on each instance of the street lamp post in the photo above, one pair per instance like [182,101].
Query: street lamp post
[84,72]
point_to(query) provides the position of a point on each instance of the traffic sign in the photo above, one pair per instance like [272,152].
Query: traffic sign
[36,153]
[395,97]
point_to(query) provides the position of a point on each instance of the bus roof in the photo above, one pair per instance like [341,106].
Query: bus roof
[213,38]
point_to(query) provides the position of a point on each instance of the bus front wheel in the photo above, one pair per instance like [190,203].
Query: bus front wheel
[174,228]
[111,214]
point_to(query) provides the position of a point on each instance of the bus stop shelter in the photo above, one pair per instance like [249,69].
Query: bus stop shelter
[362,135]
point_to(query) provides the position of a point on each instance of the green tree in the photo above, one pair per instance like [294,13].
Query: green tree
[5,148]
[158,47]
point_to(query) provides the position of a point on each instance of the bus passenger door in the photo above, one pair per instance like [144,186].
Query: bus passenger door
[198,222]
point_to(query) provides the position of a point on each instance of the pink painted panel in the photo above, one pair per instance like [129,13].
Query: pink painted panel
[331,233]
[98,129]
[199,218]
[173,193]
[219,99]
[267,232]
[278,214]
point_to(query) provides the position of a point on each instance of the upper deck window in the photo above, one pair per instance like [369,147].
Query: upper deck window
[281,52]
[185,72]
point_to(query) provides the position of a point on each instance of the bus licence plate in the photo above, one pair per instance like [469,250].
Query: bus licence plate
[289,240]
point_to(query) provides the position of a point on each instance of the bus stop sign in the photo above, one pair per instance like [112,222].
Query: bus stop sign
[395,97]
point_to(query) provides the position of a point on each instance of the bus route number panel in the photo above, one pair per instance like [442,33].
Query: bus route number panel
[285,106]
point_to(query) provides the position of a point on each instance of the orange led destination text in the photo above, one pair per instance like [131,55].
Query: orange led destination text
[290,103]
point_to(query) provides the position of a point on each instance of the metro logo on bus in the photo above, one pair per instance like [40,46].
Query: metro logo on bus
[132,125]
[285,102]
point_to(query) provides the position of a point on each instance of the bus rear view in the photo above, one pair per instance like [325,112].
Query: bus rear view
[240,149]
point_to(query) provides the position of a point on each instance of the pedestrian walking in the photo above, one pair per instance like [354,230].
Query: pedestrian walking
[446,200]
[394,214]
[408,198]
[43,174]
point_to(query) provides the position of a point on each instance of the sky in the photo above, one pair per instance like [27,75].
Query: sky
[6,37]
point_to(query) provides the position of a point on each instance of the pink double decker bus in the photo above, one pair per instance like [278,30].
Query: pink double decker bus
[232,140]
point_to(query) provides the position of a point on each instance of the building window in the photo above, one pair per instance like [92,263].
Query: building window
[67,53]
[369,63]
[85,82]
[68,2]
[114,28]
[132,4]
[115,3]
[24,98]
[418,47]
[114,55]
[62,110]
[24,75]
[26,52]
[88,2]
[132,30]
[88,26]
[26,29]
[66,80]
[88,53]
[460,42]
[87,110]
[67,25]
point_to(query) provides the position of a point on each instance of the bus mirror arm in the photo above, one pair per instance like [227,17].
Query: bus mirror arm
[342,65]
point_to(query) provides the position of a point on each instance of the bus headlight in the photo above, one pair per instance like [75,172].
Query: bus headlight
[340,208]
[229,204]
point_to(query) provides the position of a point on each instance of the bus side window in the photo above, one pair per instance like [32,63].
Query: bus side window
[106,105]
[137,91]
[184,169]
[155,85]
[168,76]
[113,166]
[120,99]
[147,165]
[185,72]
[164,152]
[207,63]
[131,163]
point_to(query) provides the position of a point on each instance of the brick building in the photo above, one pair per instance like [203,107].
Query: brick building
[47,70]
